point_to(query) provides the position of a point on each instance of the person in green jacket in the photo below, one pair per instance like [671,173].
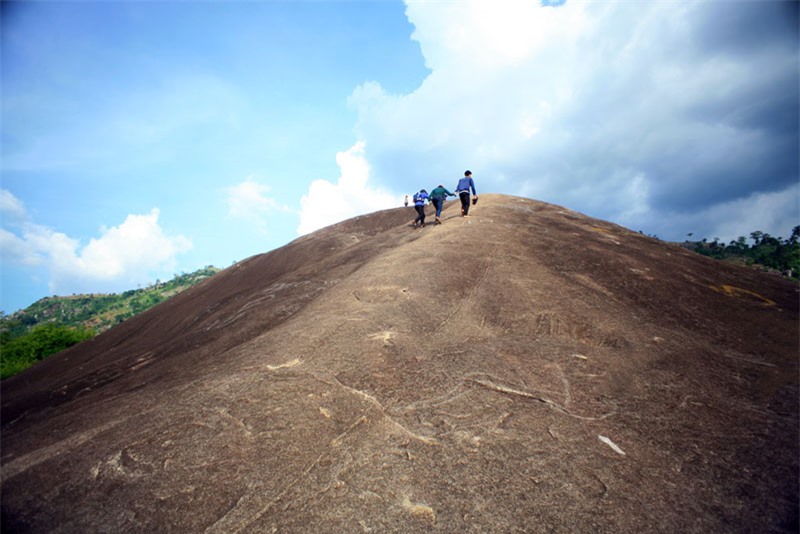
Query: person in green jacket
[437,196]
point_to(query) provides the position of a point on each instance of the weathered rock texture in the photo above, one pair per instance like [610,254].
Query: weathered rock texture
[526,369]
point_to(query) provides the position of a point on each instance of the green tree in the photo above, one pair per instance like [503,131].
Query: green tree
[768,251]
[42,341]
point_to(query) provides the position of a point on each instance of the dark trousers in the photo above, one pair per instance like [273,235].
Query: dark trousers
[438,203]
[464,196]
[420,215]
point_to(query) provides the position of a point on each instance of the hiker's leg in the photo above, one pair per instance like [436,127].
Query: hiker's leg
[464,202]
[438,202]
[420,214]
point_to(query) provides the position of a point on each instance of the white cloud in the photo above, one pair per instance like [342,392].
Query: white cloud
[11,208]
[14,249]
[489,34]
[626,111]
[327,203]
[249,201]
[131,250]
[771,213]
[135,252]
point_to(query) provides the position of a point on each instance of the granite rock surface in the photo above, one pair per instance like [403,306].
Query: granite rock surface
[524,369]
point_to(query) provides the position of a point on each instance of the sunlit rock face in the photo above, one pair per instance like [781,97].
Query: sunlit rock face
[524,369]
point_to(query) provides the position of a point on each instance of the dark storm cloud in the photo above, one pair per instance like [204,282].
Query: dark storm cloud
[699,176]
[746,27]
[752,139]
[705,128]
[768,103]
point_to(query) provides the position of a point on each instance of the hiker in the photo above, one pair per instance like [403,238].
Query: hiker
[419,205]
[438,196]
[462,189]
[406,202]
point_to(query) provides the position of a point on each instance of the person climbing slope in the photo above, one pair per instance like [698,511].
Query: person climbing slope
[438,196]
[419,204]
[462,189]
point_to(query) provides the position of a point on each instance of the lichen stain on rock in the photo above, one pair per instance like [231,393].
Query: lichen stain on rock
[419,510]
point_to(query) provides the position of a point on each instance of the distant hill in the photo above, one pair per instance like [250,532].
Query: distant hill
[98,311]
[55,323]
[524,369]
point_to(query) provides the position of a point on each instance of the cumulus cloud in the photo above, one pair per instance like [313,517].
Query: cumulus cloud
[135,252]
[634,112]
[132,249]
[11,208]
[775,213]
[249,201]
[14,249]
[352,194]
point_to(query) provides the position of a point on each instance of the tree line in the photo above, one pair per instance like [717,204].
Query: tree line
[19,353]
[770,252]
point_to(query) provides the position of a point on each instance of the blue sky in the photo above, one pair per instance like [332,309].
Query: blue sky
[144,139]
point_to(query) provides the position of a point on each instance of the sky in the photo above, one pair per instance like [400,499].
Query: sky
[145,139]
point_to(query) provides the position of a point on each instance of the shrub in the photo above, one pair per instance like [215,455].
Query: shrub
[20,353]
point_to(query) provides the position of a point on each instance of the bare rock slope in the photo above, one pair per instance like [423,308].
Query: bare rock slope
[526,369]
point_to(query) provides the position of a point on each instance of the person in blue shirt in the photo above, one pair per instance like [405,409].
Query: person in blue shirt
[462,190]
[419,205]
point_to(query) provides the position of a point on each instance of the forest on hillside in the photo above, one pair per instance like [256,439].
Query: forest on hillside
[53,324]
[766,251]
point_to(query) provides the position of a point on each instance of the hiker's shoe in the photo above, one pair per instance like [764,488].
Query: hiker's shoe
[438,221]
[462,212]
